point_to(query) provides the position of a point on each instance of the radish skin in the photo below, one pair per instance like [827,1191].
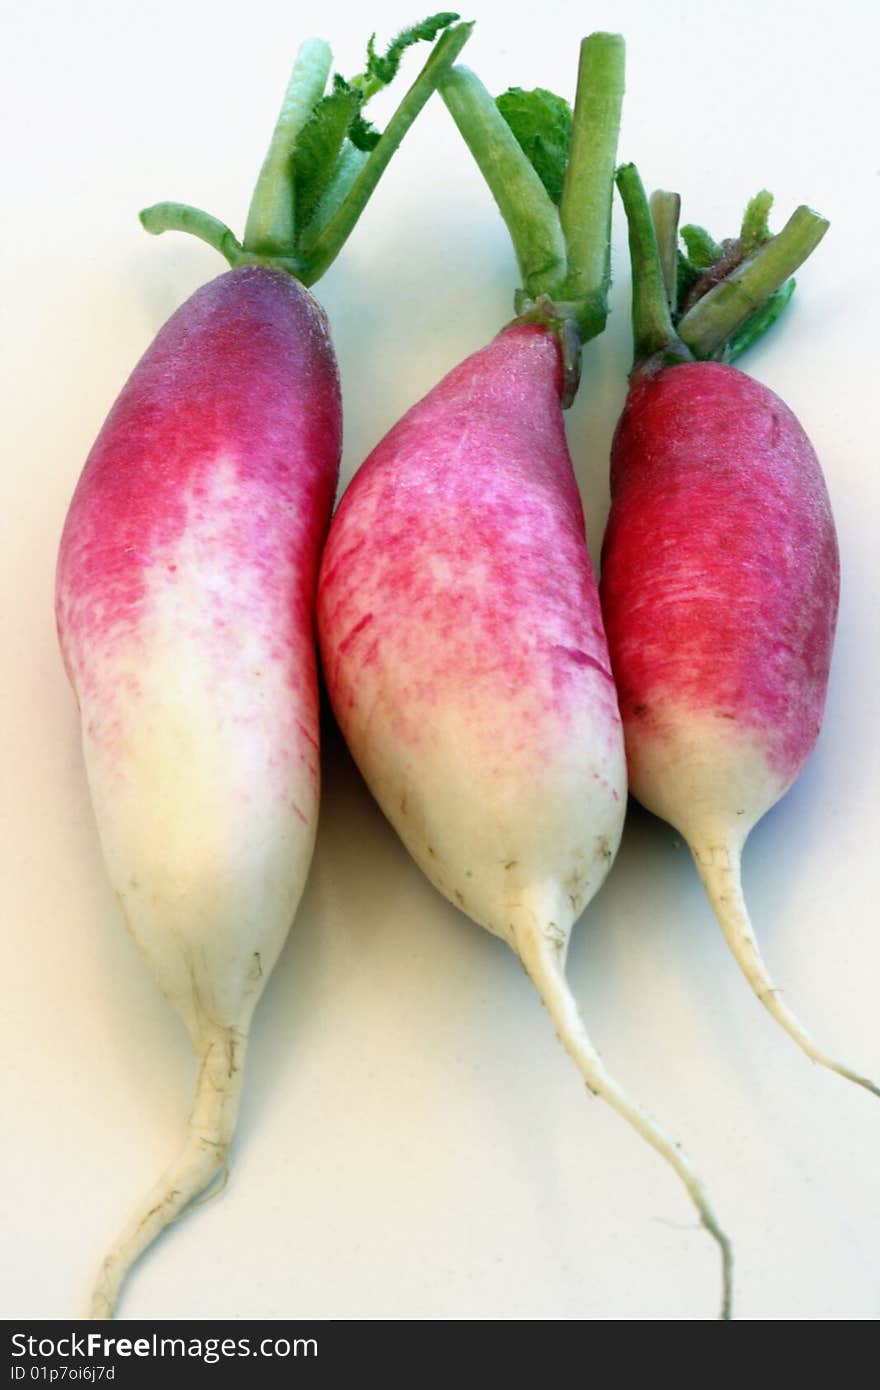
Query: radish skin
[185,594]
[466,662]
[458,612]
[184,600]
[720,581]
[463,648]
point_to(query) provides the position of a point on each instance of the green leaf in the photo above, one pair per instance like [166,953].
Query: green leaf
[337,121]
[702,250]
[348,166]
[383,69]
[541,124]
[755,327]
[755,228]
[357,174]
[319,145]
[363,134]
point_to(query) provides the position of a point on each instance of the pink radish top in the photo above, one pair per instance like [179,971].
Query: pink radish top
[459,547]
[223,446]
[720,570]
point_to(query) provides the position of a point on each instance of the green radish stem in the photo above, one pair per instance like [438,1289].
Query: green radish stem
[271,223]
[209,1134]
[180,217]
[331,240]
[732,313]
[525,205]
[274,234]
[546,969]
[585,209]
[653,330]
[564,253]
[720,869]
[723,309]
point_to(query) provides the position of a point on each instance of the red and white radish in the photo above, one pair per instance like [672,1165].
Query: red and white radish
[464,653]
[185,596]
[185,588]
[720,570]
[458,612]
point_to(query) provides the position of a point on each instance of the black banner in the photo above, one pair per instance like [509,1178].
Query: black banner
[122,1354]
[133,1354]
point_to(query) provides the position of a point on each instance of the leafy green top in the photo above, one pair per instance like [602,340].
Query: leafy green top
[713,300]
[325,158]
[551,171]
[337,125]
[382,70]
[541,123]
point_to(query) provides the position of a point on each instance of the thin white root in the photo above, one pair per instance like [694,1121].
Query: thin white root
[209,1134]
[211,1193]
[547,973]
[720,869]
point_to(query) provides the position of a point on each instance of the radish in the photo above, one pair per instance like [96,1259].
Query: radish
[720,569]
[458,613]
[185,594]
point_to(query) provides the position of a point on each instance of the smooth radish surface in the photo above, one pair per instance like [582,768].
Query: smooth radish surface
[466,662]
[184,600]
[720,582]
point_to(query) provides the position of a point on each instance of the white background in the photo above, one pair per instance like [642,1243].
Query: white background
[413,1141]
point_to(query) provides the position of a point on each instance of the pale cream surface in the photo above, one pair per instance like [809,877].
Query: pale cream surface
[493,830]
[204,786]
[700,773]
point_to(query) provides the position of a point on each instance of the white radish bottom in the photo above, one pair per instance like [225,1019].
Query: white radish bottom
[467,665]
[522,858]
[713,782]
[200,743]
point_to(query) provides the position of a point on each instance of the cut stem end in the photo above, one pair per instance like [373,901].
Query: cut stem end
[732,293]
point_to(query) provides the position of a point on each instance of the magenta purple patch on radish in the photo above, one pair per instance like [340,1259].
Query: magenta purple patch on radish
[185,595]
[458,614]
[720,567]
